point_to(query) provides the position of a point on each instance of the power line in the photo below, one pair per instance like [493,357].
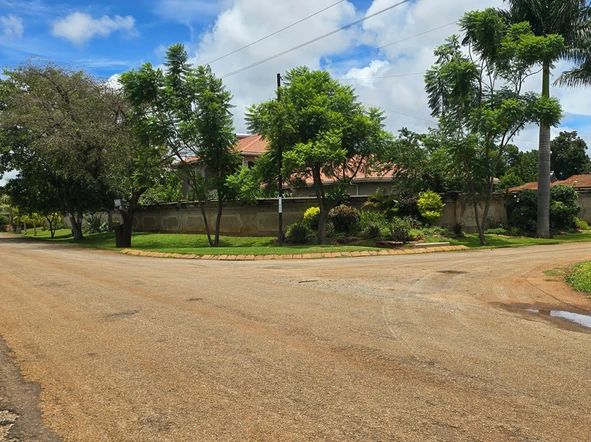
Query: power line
[275,33]
[389,44]
[328,34]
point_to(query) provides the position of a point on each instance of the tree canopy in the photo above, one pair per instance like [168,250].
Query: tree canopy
[569,155]
[187,110]
[475,89]
[324,131]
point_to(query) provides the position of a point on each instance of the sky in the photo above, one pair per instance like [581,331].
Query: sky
[384,58]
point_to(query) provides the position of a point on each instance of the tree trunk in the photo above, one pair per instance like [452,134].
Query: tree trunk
[206,224]
[126,229]
[218,222]
[76,223]
[320,197]
[543,226]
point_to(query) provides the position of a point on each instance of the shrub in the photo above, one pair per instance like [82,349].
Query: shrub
[563,207]
[582,224]
[311,217]
[372,224]
[384,202]
[345,219]
[297,233]
[95,223]
[399,229]
[523,208]
[3,220]
[430,206]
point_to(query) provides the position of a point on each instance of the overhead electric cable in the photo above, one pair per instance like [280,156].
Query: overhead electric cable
[328,34]
[389,44]
[274,33]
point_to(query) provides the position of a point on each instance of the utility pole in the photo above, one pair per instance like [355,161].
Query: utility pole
[280,158]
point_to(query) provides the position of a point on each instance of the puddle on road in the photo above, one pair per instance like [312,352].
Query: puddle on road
[584,320]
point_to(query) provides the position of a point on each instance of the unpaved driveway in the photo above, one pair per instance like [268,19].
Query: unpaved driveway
[421,347]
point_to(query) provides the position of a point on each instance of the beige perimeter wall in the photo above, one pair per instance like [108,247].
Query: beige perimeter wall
[262,220]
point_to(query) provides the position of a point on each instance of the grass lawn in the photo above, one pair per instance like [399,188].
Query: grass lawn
[198,245]
[233,245]
[579,277]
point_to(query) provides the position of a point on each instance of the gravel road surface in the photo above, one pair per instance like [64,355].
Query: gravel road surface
[100,346]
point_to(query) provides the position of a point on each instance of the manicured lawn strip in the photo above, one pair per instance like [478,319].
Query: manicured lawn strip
[198,245]
[580,277]
[498,241]
[234,245]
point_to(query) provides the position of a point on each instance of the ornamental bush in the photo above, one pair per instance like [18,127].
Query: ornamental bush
[297,233]
[345,219]
[400,229]
[430,206]
[311,217]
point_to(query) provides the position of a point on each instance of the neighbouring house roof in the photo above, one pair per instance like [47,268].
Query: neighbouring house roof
[577,181]
[247,145]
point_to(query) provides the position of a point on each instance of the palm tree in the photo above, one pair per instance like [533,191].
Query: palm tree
[570,19]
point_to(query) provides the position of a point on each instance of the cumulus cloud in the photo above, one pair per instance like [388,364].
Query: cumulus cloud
[80,27]
[12,26]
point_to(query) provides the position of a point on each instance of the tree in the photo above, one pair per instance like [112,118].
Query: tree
[569,155]
[478,97]
[187,110]
[324,132]
[421,163]
[55,124]
[569,19]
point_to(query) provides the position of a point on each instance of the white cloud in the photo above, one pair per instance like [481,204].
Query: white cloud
[80,27]
[12,26]
[366,76]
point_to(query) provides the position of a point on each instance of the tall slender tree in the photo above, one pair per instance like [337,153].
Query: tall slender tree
[570,19]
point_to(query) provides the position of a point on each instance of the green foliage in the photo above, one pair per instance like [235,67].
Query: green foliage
[580,277]
[581,224]
[522,208]
[400,229]
[298,233]
[345,219]
[563,207]
[95,223]
[373,224]
[188,110]
[3,220]
[430,206]
[384,202]
[311,217]
[324,132]
[478,97]
[569,155]
[503,231]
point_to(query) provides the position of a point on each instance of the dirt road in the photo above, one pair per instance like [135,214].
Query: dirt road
[421,347]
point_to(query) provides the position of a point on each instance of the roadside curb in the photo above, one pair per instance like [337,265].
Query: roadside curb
[389,252]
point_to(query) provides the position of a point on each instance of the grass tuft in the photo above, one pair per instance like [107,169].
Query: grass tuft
[580,277]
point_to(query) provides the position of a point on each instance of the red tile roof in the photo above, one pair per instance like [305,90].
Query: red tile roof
[577,181]
[254,144]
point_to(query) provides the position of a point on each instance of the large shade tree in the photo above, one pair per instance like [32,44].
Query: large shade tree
[569,19]
[58,129]
[325,133]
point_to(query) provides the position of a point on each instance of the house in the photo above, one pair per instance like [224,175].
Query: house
[251,147]
[579,182]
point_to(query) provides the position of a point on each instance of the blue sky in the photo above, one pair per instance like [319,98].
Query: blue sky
[110,37]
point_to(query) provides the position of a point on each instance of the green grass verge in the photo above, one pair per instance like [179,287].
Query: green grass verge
[198,245]
[580,277]
[233,245]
